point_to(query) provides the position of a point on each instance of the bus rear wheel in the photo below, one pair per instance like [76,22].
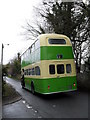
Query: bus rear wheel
[23,84]
[32,88]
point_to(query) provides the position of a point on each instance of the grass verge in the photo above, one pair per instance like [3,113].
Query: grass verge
[10,95]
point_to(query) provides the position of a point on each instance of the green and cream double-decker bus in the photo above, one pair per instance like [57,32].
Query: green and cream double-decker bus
[49,66]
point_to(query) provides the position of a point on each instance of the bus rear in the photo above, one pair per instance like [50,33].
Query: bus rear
[58,71]
[49,65]
[58,76]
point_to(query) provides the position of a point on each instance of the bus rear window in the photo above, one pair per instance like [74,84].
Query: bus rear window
[60,69]
[57,41]
[52,69]
[68,68]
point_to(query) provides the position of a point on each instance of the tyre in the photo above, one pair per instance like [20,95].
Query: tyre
[23,84]
[23,87]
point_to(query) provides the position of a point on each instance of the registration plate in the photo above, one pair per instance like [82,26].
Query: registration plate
[70,86]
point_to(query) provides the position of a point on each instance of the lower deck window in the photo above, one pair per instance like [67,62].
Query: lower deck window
[37,70]
[52,69]
[25,73]
[60,69]
[29,72]
[33,71]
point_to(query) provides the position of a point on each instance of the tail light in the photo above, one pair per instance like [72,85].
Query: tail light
[74,84]
[48,87]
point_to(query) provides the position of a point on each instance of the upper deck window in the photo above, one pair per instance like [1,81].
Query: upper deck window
[57,41]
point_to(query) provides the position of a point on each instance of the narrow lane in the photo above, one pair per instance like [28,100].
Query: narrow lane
[20,110]
[63,105]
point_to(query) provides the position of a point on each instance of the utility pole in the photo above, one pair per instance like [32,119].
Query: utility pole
[2,65]
[2,60]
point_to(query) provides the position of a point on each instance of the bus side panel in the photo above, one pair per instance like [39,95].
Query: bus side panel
[38,84]
[27,83]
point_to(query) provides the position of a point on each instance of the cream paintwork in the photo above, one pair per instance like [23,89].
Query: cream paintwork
[44,39]
[44,68]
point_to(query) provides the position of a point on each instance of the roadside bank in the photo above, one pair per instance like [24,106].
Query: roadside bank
[10,95]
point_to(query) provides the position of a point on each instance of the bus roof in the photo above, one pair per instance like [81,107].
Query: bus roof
[53,35]
[43,38]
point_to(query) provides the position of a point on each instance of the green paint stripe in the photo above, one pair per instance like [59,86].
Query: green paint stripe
[56,84]
[51,52]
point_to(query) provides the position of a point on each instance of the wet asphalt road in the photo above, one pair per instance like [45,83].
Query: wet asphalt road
[62,105]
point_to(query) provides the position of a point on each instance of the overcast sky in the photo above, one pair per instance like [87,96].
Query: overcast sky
[13,15]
